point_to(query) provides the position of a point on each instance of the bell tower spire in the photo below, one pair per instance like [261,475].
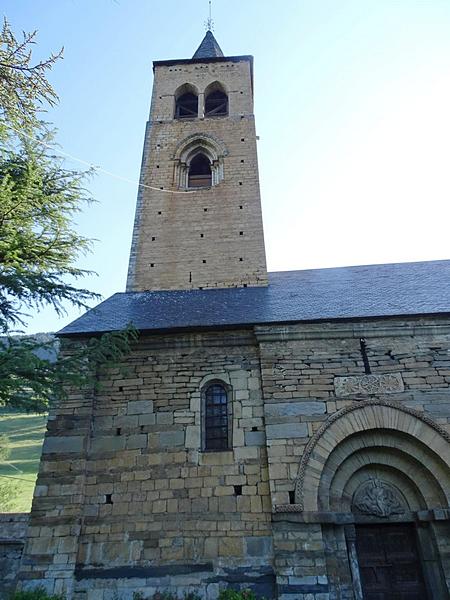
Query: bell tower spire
[198,217]
[209,48]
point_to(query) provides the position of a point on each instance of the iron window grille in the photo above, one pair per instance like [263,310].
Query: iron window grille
[216,418]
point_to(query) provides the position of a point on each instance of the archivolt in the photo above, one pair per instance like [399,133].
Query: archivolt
[214,149]
[393,457]
[209,144]
[380,439]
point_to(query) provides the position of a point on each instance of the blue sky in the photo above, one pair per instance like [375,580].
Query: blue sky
[352,108]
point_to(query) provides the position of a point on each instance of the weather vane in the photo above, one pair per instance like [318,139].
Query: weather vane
[209,23]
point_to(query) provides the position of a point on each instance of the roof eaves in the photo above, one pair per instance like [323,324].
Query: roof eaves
[213,59]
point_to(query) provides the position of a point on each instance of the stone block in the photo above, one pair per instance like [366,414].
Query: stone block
[211,547]
[259,547]
[294,409]
[243,504]
[68,544]
[116,551]
[441,409]
[230,546]
[286,431]
[136,441]
[224,490]
[40,490]
[217,458]
[147,419]
[245,453]
[255,504]
[138,381]
[255,438]
[63,444]
[169,439]
[238,437]
[126,421]
[164,418]
[108,443]
[139,407]
[193,436]
[235,480]
[227,504]
[200,505]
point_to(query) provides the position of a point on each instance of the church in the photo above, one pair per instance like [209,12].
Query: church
[286,432]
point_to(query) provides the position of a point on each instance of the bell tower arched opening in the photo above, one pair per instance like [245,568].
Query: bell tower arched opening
[199,174]
[216,100]
[186,102]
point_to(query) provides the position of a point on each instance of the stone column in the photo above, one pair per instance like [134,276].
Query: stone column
[350,536]
[201,106]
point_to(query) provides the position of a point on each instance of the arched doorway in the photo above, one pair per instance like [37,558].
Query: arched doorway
[378,475]
[387,552]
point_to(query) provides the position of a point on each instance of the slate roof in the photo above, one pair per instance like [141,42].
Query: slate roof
[209,48]
[420,288]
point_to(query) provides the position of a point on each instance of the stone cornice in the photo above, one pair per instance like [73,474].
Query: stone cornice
[366,329]
[294,514]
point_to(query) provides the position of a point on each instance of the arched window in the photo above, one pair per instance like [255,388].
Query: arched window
[186,102]
[216,418]
[199,161]
[200,171]
[216,104]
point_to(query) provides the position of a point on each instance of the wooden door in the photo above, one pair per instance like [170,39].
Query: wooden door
[389,562]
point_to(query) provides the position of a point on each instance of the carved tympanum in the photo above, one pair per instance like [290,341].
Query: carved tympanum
[379,499]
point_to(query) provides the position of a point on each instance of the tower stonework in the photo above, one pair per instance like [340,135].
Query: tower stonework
[189,237]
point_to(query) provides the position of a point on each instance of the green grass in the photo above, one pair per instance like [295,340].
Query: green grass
[26,434]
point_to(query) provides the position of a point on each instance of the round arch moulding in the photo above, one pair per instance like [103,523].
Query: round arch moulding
[359,417]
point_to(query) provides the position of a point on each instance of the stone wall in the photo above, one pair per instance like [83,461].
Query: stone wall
[13,528]
[133,496]
[127,500]
[303,367]
[329,425]
[210,237]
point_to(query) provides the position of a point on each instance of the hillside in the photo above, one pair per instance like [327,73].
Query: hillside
[19,471]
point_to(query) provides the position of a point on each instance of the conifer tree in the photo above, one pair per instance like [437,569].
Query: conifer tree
[39,246]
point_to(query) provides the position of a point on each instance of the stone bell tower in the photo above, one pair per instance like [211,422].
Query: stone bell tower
[198,218]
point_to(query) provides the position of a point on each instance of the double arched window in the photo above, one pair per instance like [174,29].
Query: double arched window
[187,101]
[217,418]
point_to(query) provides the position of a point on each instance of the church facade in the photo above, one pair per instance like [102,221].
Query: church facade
[285,432]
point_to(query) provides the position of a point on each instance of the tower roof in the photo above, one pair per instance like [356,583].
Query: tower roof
[209,48]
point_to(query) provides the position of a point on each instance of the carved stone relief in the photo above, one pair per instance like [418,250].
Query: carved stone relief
[356,385]
[379,499]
